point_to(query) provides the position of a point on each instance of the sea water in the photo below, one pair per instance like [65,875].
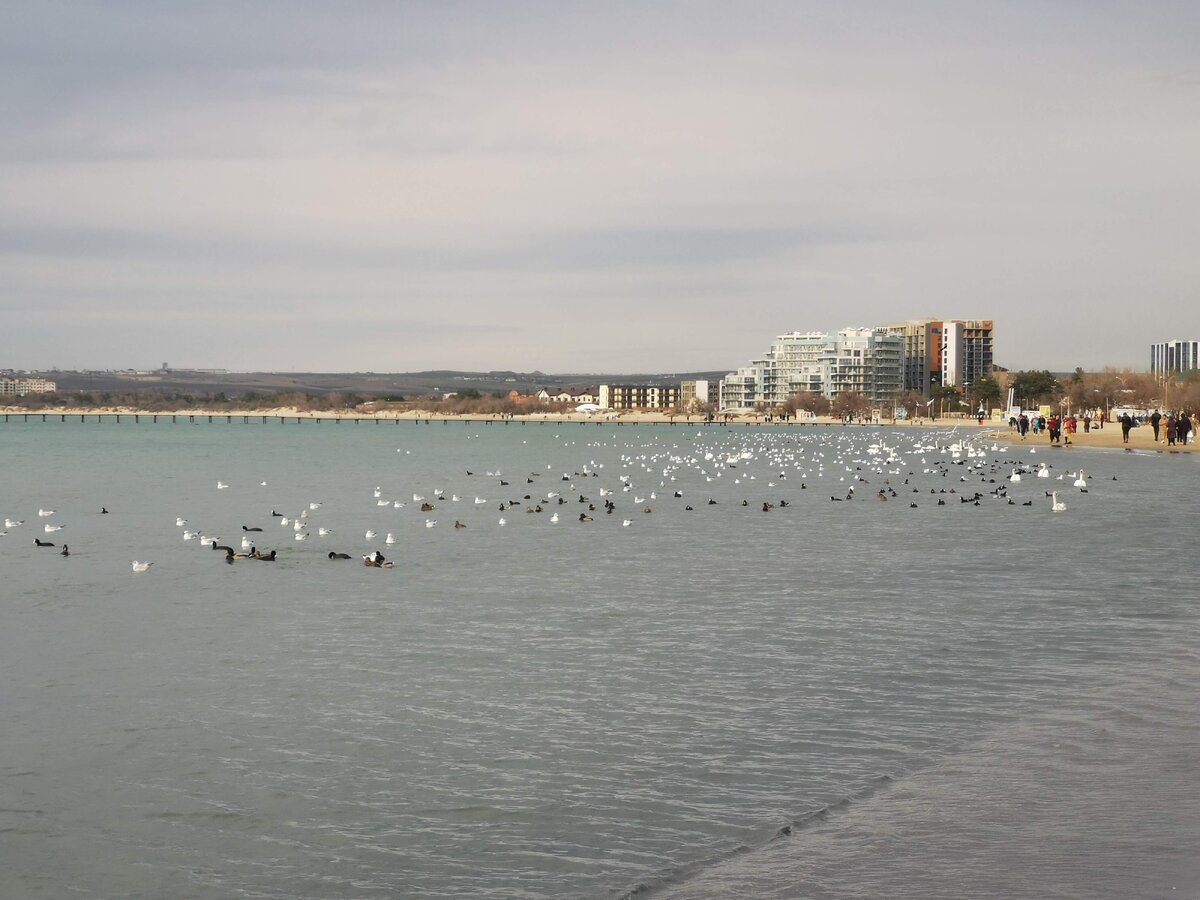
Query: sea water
[840,697]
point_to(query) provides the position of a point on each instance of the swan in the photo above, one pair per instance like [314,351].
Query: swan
[1081,481]
[1015,476]
[1056,505]
[1043,471]
[141,566]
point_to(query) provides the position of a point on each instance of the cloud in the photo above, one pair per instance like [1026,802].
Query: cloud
[738,171]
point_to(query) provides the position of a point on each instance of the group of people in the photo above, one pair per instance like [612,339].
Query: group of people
[1178,427]
[1172,428]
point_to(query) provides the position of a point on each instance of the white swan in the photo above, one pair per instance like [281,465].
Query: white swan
[141,566]
[1056,505]
[1043,471]
[1081,481]
[1015,476]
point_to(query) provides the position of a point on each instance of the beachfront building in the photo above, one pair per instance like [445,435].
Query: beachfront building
[865,360]
[944,351]
[694,394]
[966,351]
[19,387]
[638,396]
[1173,357]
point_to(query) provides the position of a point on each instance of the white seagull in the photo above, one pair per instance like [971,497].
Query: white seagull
[141,566]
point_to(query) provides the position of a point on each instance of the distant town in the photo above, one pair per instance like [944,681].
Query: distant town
[919,368]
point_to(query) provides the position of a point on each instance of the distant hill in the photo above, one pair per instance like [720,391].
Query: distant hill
[376,383]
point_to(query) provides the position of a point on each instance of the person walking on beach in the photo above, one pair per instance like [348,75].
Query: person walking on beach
[1171,432]
[1126,424]
[1023,425]
[1155,418]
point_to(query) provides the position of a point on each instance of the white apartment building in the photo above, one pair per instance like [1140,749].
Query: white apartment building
[866,360]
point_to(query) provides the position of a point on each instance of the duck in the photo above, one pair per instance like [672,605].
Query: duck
[41,543]
[334,555]
[244,527]
[265,557]
[65,551]
[458,524]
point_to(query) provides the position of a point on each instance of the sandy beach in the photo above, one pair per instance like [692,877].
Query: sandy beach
[1140,438]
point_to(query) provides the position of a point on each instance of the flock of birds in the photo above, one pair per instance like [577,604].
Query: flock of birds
[758,470]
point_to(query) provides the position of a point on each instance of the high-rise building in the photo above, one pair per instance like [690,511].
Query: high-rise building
[1172,357]
[945,351]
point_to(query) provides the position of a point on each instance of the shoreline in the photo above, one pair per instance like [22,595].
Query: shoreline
[1140,438]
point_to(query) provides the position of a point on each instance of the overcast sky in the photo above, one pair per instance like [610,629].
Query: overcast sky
[581,187]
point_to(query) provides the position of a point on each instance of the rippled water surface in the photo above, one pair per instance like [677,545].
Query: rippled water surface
[849,698]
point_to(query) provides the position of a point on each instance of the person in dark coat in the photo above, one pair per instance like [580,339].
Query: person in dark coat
[1155,418]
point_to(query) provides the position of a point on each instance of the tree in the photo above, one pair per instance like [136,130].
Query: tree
[1035,387]
[850,403]
[985,391]
[809,401]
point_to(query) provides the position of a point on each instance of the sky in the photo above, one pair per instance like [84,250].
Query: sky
[590,187]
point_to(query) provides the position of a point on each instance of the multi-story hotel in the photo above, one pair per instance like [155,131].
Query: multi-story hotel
[638,396]
[1172,357]
[945,351]
[865,360]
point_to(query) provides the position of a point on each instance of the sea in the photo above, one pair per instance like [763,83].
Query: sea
[792,662]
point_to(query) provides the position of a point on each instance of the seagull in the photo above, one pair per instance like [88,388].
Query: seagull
[301,535]
[221,485]
[391,538]
[49,529]
[13,523]
[189,535]
[502,522]
[314,506]
[554,518]
[626,523]
[369,535]
[324,531]
[141,566]
[180,522]
[45,512]
[429,523]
